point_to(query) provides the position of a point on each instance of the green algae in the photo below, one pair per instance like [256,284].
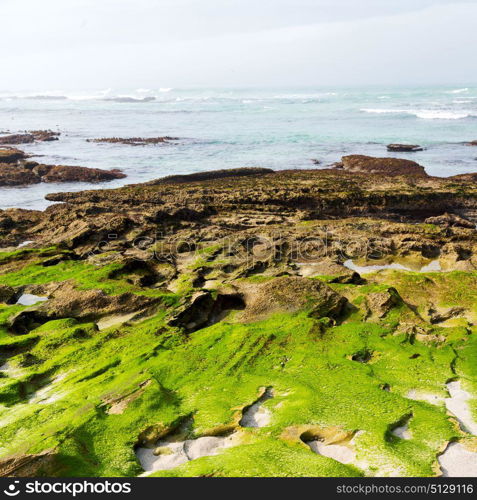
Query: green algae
[323,374]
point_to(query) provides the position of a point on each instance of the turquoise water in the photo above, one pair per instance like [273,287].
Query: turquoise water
[276,128]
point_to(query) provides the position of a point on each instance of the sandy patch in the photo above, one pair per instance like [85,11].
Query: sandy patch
[27,299]
[340,453]
[457,461]
[256,415]
[433,266]
[170,454]
[458,405]
[402,432]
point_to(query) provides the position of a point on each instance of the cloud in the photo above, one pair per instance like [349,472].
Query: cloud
[207,42]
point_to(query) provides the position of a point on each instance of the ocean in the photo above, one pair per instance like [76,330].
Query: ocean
[227,128]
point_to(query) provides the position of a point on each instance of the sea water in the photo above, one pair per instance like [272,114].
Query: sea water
[228,128]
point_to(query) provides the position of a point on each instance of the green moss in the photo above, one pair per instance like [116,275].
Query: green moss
[68,375]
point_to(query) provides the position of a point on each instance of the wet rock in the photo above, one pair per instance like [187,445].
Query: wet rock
[62,173]
[11,155]
[14,172]
[29,137]
[135,141]
[403,148]
[386,166]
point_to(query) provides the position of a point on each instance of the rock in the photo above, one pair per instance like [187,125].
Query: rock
[7,294]
[67,302]
[404,148]
[41,464]
[385,166]
[61,173]
[472,143]
[471,177]
[11,155]
[29,137]
[202,309]
[12,175]
[135,141]
[34,173]
[380,303]
[207,176]
[336,272]
[291,294]
[450,220]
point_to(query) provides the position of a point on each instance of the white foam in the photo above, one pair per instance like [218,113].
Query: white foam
[457,91]
[425,114]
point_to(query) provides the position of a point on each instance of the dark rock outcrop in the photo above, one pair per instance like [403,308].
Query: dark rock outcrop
[30,137]
[404,148]
[15,170]
[11,155]
[135,141]
[207,176]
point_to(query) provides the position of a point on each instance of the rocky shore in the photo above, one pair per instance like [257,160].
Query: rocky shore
[215,325]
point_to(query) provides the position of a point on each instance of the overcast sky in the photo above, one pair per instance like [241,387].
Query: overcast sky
[75,44]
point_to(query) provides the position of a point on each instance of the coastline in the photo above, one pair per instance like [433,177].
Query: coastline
[172,307]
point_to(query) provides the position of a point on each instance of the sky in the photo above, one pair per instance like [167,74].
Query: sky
[86,44]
